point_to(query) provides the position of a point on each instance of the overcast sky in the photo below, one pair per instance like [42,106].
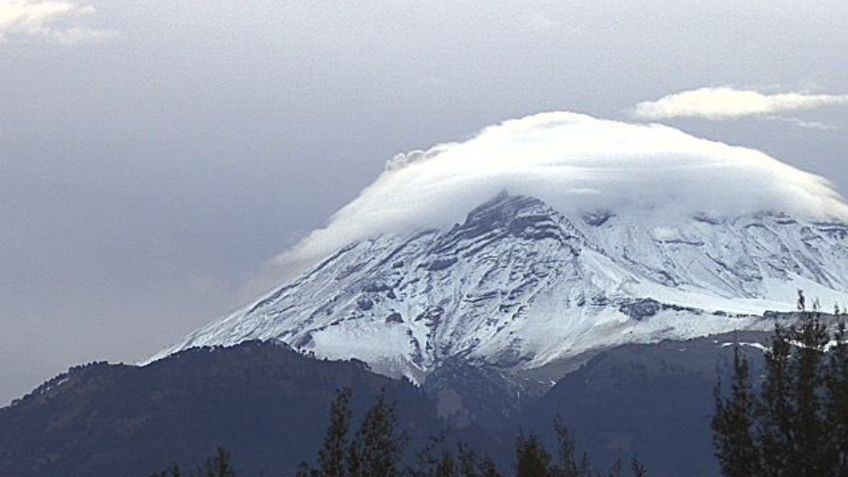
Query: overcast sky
[154,155]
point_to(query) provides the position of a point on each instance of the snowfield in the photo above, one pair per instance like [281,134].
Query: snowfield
[519,285]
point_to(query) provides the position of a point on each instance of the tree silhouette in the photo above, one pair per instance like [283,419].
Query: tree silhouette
[733,423]
[437,461]
[532,459]
[569,464]
[794,423]
[331,457]
[218,465]
[376,450]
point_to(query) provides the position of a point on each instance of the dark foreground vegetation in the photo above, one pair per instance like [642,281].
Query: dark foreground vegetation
[790,421]
[377,449]
[267,404]
[793,421]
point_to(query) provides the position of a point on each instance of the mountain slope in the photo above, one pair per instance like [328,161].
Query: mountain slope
[268,405]
[264,402]
[650,400]
[522,288]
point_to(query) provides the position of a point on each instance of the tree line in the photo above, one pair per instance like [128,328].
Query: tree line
[376,449]
[792,421]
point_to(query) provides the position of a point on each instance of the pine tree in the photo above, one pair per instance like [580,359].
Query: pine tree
[733,423]
[377,448]
[638,469]
[569,464]
[775,408]
[795,426]
[532,459]
[219,465]
[837,410]
[331,457]
[431,462]
[813,457]
[470,465]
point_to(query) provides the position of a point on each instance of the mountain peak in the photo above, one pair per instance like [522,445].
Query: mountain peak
[505,215]
[505,206]
[520,286]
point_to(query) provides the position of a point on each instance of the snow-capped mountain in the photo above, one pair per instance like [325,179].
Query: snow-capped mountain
[519,286]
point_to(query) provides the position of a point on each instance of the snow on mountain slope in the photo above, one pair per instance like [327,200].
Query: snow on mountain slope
[519,285]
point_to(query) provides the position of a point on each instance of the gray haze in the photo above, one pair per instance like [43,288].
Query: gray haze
[154,155]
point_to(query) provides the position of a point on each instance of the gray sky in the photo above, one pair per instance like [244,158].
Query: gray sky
[154,155]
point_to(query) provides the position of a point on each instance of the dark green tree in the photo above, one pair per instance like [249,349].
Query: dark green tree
[332,456]
[532,459]
[813,455]
[733,423]
[377,449]
[837,411]
[569,463]
[637,468]
[774,408]
[437,461]
[471,465]
[793,426]
[219,465]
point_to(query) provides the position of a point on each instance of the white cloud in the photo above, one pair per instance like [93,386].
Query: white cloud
[728,103]
[575,163]
[802,123]
[46,20]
